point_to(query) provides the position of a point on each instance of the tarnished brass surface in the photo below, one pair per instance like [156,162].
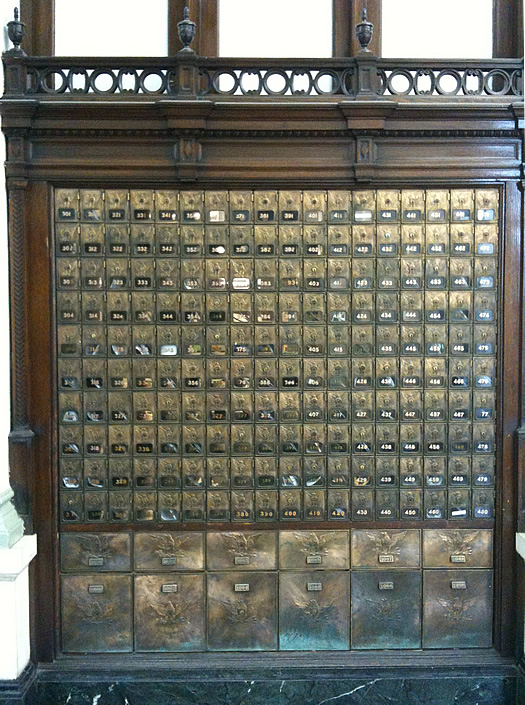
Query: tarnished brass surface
[314,611]
[170,612]
[169,551]
[447,548]
[95,552]
[242,611]
[457,609]
[96,613]
[386,609]
[386,548]
[246,550]
[314,550]
[306,329]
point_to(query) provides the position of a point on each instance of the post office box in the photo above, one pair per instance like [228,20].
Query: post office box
[216,206]
[67,204]
[191,206]
[242,506]
[142,205]
[437,237]
[95,474]
[363,241]
[91,204]
[314,241]
[142,245]
[68,308]
[218,473]
[314,275]
[266,506]
[339,241]
[120,441]
[169,613]
[119,341]
[314,206]
[485,272]
[68,272]
[457,609]
[412,239]
[169,506]
[290,206]
[193,474]
[462,205]
[96,613]
[218,440]
[387,374]
[387,340]
[395,548]
[314,502]
[169,551]
[387,472]
[410,472]
[388,240]
[217,276]
[241,473]
[313,611]
[290,241]
[339,206]
[387,274]
[169,473]
[338,374]
[338,408]
[217,376]
[71,474]
[192,241]
[364,203]
[471,548]
[363,439]
[241,440]
[119,470]
[96,552]
[486,239]
[96,506]
[387,505]
[411,373]
[435,504]
[338,504]
[411,305]
[246,550]
[193,506]
[460,405]
[387,439]
[386,609]
[388,204]
[241,209]
[266,278]
[120,506]
[67,239]
[483,438]
[460,340]
[338,274]
[362,505]
[410,438]
[290,407]
[167,238]
[92,240]
[411,405]
[290,505]
[242,611]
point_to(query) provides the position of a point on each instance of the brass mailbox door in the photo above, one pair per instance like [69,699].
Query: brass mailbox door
[314,611]
[242,611]
[386,609]
[97,613]
[170,612]
[457,609]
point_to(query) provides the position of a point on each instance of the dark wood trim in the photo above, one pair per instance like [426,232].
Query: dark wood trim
[39,17]
[507,28]
[43,569]
[342,28]
[509,418]
[205,14]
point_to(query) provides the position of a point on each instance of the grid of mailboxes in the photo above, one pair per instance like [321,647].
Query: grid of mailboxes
[176,591]
[262,356]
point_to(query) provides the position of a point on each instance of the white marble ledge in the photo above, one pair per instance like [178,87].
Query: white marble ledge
[15,560]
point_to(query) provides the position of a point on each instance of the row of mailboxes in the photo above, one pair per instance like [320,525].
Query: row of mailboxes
[360,549]
[244,611]
[284,206]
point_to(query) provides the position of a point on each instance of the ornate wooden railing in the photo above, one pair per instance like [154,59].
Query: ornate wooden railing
[191,76]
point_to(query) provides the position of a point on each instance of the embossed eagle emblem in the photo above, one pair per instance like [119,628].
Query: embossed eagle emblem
[315,611]
[387,543]
[386,608]
[95,545]
[239,611]
[458,542]
[168,545]
[170,615]
[96,612]
[457,609]
[242,544]
[312,543]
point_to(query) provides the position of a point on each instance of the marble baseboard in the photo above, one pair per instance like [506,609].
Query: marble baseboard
[437,690]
